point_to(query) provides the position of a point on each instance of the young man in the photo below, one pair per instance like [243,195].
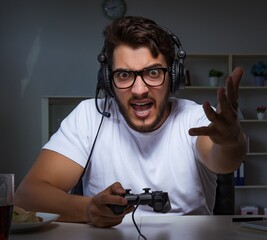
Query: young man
[147,139]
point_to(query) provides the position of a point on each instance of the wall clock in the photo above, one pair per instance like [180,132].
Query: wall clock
[114,8]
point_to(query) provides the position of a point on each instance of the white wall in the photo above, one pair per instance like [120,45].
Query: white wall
[49,47]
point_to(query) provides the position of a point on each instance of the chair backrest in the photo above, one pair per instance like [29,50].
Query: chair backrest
[225,195]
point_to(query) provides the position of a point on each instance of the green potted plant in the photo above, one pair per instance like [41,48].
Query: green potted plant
[214,76]
[258,70]
[215,73]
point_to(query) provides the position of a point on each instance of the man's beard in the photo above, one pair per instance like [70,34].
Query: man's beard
[163,107]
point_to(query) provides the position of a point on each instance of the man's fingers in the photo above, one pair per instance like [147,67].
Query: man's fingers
[236,78]
[116,188]
[237,75]
[200,131]
[210,112]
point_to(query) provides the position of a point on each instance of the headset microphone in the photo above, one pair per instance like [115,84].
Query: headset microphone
[104,113]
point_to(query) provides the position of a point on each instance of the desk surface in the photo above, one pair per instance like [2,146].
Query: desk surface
[162,227]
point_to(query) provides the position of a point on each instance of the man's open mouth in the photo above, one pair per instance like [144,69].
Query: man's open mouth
[142,108]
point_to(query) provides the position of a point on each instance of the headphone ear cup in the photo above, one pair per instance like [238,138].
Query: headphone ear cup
[178,76]
[104,79]
[181,75]
[175,76]
[107,81]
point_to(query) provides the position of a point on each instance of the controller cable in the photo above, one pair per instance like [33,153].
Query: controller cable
[137,228]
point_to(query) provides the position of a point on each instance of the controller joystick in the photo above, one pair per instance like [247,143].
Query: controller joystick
[158,200]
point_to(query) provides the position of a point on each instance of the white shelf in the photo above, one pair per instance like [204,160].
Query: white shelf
[251,187]
[253,121]
[257,154]
[241,88]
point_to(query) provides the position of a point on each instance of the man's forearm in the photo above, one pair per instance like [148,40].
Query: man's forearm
[228,157]
[43,197]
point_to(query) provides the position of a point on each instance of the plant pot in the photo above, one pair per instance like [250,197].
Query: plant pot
[259,80]
[214,81]
[260,115]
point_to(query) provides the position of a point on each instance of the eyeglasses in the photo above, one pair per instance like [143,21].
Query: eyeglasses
[152,77]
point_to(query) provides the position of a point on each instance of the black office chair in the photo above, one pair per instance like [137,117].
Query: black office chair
[225,195]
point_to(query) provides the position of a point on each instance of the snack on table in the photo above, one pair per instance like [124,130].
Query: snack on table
[19,215]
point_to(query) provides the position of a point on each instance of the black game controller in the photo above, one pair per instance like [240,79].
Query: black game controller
[158,200]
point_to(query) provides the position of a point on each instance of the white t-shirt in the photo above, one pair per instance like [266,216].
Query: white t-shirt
[163,160]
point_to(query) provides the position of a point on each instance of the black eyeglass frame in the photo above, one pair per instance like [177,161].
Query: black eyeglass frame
[140,73]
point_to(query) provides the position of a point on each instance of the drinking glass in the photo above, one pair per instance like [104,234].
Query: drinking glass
[6,204]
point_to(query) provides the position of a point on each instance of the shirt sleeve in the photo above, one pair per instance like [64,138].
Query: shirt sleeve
[73,137]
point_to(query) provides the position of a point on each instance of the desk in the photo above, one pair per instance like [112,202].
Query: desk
[162,227]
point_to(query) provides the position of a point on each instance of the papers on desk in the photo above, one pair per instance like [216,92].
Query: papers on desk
[260,224]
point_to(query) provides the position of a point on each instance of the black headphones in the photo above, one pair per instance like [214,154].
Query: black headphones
[177,69]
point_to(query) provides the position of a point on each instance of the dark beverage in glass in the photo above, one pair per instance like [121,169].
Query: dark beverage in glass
[6,204]
[5,221]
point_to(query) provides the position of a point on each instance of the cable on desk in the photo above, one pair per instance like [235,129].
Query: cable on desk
[137,228]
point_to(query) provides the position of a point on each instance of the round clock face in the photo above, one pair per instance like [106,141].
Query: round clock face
[114,8]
